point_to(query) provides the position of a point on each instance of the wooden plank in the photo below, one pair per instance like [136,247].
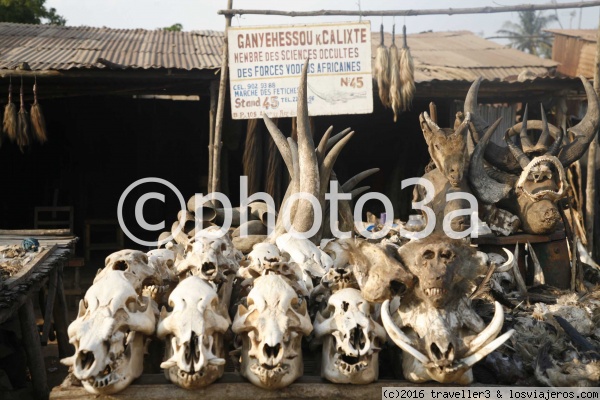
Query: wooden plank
[520,238]
[27,269]
[234,387]
[36,232]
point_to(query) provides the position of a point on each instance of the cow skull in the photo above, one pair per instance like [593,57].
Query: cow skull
[351,339]
[271,327]
[109,334]
[194,334]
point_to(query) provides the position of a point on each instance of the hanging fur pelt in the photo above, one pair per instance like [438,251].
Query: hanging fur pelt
[22,124]
[38,123]
[9,126]
[382,72]
[395,82]
[407,74]
[252,159]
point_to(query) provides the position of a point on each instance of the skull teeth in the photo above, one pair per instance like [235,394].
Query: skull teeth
[348,369]
[434,291]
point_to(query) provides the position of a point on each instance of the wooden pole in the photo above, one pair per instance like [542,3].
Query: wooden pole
[590,200]
[33,349]
[408,13]
[211,135]
[216,162]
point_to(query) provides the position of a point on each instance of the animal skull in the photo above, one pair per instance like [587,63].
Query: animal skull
[134,265]
[210,258]
[193,332]
[351,339]
[271,327]
[109,334]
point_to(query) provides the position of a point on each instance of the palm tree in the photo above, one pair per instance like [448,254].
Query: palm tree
[528,34]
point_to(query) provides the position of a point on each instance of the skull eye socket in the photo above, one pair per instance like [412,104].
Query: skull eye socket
[345,306]
[223,247]
[428,255]
[131,304]
[297,303]
[120,265]
[447,255]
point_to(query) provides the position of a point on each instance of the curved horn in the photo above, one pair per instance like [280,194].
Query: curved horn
[508,265]
[519,155]
[336,138]
[327,166]
[485,350]
[307,158]
[471,106]
[398,336]
[557,145]
[526,144]
[321,148]
[585,130]
[280,142]
[490,332]
[352,182]
[486,189]
[430,122]
[542,143]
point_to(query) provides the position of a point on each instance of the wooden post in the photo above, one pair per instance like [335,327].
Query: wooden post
[590,201]
[211,135]
[216,162]
[33,349]
[61,321]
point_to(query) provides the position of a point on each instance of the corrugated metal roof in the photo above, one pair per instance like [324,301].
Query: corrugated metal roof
[46,47]
[462,55]
[442,56]
[585,34]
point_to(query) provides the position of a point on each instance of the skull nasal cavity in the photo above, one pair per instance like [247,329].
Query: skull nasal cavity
[120,266]
[438,354]
[208,268]
[272,352]
[86,359]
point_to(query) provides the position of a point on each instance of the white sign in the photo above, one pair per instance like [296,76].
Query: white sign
[265,64]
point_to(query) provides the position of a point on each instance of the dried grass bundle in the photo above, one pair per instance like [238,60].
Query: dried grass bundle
[382,72]
[407,74]
[22,124]
[9,126]
[395,82]
[38,123]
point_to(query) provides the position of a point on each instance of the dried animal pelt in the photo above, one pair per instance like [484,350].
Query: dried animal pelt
[9,126]
[395,91]
[22,124]
[38,123]
[382,72]
[407,74]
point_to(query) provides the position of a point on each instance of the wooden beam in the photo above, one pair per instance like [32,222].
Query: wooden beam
[409,13]
[33,349]
[216,161]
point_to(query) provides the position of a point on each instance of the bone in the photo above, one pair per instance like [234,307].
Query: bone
[542,143]
[253,228]
[336,138]
[489,333]
[398,336]
[526,144]
[260,211]
[485,350]
[585,257]
[509,264]
[327,166]
[517,153]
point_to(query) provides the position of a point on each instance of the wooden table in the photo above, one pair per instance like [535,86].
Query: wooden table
[16,298]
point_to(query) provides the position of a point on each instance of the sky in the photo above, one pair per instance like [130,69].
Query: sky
[202,14]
